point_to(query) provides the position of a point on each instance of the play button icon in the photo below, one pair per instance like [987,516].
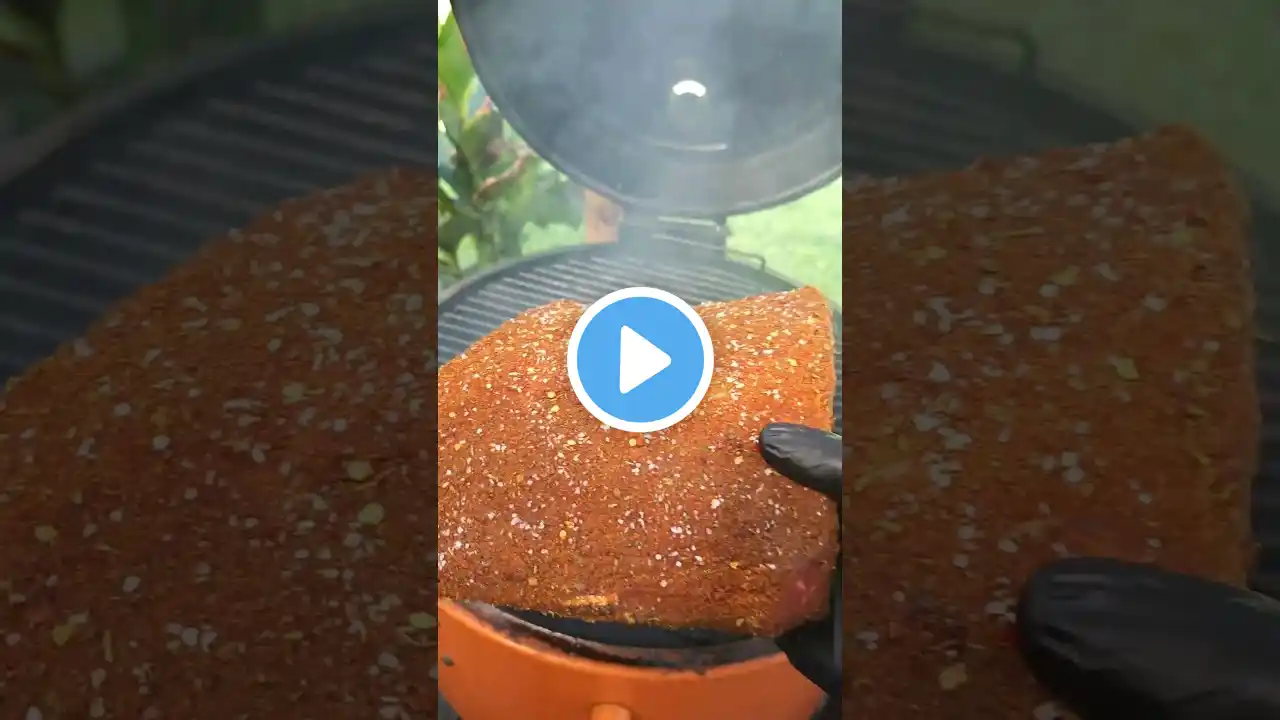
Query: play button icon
[640,359]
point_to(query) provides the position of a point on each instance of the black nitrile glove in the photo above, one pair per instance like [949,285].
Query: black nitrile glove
[1124,641]
[815,459]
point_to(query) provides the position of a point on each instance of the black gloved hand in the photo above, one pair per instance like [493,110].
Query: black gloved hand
[815,459]
[1128,641]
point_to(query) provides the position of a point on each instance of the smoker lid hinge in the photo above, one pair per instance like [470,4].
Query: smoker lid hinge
[694,238]
[650,229]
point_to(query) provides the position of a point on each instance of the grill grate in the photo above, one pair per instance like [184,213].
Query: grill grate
[585,274]
[114,208]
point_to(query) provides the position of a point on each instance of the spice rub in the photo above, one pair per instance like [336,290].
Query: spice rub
[1047,356]
[542,508]
[215,504]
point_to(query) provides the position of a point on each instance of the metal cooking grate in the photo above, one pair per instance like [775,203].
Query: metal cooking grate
[586,274]
[150,179]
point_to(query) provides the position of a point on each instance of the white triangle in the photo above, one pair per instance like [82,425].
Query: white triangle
[638,361]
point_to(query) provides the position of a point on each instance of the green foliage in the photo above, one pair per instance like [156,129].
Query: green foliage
[63,49]
[31,61]
[493,188]
[55,53]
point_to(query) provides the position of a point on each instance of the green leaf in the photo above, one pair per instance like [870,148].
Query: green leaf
[229,20]
[19,39]
[290,14]
[451,232]
[463,180]
[493,188]
[510,236]
[454,72]
[40,12]
[444,147]
[30,20]
[30,46]
[487,240]
[445,200]
[447,261]
[481,142]
[451,122]
[152,31]
[94,38]
[554,205]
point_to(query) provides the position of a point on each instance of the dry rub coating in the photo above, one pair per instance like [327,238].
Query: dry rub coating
[217,503]
[1047,356]
[542,508]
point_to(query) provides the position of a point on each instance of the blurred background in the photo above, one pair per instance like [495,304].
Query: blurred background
[57,54]
[1209,64]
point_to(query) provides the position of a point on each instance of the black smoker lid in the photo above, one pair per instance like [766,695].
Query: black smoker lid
[607,93]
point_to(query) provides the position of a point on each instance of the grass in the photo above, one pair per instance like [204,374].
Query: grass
[800,240]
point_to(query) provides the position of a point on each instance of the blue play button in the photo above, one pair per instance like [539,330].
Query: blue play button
[640,359]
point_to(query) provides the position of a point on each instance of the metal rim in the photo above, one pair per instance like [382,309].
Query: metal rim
[686,659]
[469,283]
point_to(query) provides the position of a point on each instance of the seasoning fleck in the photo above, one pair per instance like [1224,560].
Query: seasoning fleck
[371,514]
[1125,367]
[939,373]
[953,676]
[359,470]
[294,392]
[1067,276]
[422,621]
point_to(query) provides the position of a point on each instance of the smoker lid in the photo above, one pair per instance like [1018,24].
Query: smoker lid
[609,94]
